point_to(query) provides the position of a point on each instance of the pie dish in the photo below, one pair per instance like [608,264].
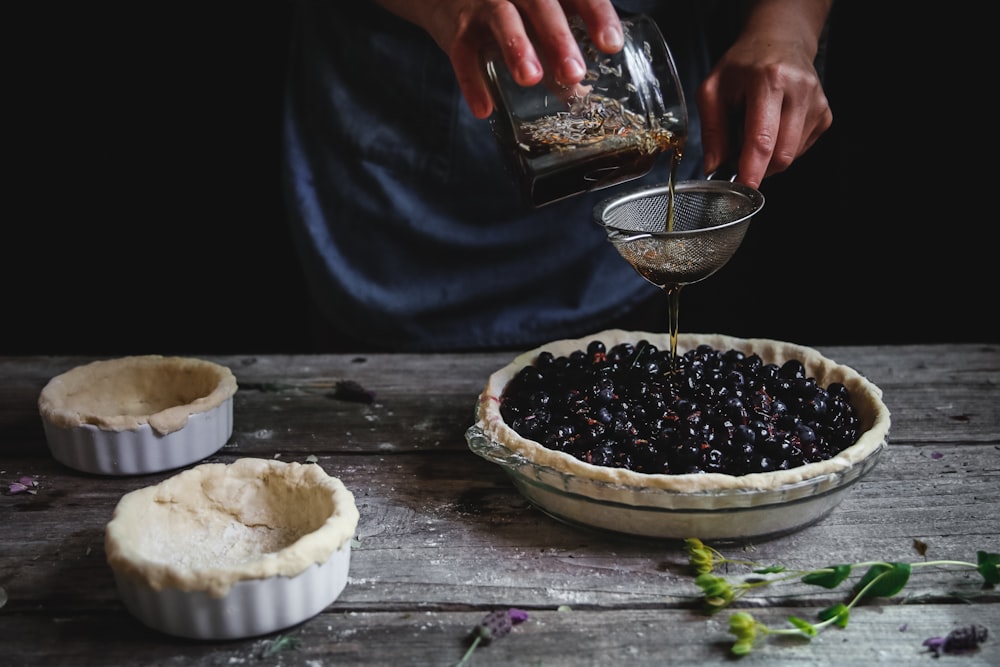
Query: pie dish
[138,414]
[676,506]
[225,551]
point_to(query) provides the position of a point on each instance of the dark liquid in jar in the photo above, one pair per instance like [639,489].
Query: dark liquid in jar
[557,180]
[561,155]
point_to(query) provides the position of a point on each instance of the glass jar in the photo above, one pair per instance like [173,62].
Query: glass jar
[610,128]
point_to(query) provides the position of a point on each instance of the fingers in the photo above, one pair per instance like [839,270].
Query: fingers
[502,28]
[603,25]
[469,75]
[785,116]
[761,131]
[715,140]
[763,117]
[558,53]
[547,23]
[535,42]
[510,33]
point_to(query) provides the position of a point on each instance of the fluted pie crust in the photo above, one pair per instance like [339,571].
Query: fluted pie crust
[865,396]
[214,525]
[130,392]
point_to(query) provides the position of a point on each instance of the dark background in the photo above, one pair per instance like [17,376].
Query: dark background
[144,210]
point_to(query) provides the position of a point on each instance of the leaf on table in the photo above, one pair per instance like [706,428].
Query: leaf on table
[884,580]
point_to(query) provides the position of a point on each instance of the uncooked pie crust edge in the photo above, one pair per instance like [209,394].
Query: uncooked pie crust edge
[225,492]
[90,394]
[866,398]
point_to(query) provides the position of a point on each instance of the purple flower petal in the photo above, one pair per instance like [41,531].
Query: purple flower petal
[959,640]
[517,615]
[24,485]
[935,644]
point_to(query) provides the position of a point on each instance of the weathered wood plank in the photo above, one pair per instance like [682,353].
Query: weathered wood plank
[877,635]
[428,516]
[444,536]
[933,397]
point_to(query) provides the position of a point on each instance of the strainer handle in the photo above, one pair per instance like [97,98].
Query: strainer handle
[727,171]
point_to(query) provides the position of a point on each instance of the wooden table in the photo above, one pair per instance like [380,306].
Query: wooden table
[444,537]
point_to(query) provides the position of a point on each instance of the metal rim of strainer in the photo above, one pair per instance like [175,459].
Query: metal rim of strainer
[755,202]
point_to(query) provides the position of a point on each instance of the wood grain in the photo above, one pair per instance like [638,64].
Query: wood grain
[444,537]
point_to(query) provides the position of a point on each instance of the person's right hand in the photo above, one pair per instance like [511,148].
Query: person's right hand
[462,28]
[767,80]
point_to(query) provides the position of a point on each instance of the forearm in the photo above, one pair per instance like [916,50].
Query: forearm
[787,20]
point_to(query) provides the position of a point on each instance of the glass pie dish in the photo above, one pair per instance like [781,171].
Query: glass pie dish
[712,506]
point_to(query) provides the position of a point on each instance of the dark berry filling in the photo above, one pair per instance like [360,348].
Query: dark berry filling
[725,412]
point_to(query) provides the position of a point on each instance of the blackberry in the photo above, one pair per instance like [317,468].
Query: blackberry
[719,411]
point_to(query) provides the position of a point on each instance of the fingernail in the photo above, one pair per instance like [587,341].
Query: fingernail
[530,70]
[573,71]
[613,38]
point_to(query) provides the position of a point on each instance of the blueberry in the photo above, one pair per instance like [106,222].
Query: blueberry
[722,411]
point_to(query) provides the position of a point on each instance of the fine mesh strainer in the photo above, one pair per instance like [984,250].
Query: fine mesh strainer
[709,220]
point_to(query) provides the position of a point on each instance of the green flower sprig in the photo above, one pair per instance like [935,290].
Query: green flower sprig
[881,579]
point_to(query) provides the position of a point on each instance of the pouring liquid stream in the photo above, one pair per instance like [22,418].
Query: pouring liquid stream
[673,290]
[679,233]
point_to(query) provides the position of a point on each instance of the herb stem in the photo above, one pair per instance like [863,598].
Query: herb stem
[956,563]
[468,653]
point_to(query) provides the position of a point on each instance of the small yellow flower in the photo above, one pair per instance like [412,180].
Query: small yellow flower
[745,627]
[718,593]
[701,558]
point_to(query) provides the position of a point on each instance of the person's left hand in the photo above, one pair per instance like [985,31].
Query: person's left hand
[767,79]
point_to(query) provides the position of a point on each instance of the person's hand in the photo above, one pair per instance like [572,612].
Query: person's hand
[768,83]
[462,28]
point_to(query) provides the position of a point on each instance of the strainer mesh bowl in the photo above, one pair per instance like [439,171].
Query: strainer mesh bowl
[710,219]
